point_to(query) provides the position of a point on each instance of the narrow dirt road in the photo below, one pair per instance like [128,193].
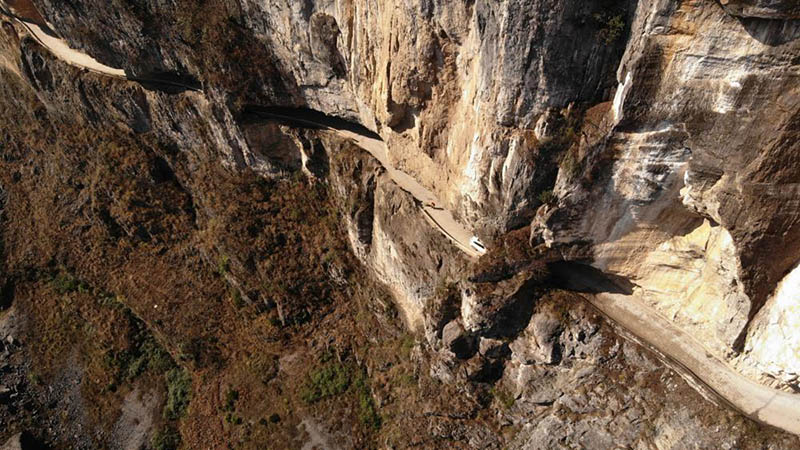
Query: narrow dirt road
[27,15]
[61,50]
[442,219]
[761,403]
[439,218]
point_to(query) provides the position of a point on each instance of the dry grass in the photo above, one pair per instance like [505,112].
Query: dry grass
[106,212]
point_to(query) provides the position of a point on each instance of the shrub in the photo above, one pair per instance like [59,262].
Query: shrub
[570,164]
[327,381]
[136,368]
[236,297]
[335,378]
[157,358]
[504,397]
[64,283]
[407,343]
[231,397]
[111,301]
[145,353]
[223,265]
[233,419]
[612,27]
[179,386]
[547,197]
[367,412]
[166,439]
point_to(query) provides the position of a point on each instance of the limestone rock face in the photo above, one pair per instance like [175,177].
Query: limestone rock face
[453,86]
[495,308]
[692,193]
[13,443]
[771,347]
[539,343]
[588,399]
[390,236]
[702,127]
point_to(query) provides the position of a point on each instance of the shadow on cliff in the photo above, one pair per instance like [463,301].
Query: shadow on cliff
[166,82]
[584,278]
[303,118]
[512,318]
[772,32]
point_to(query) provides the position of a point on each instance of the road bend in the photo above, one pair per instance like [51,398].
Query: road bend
[441,219]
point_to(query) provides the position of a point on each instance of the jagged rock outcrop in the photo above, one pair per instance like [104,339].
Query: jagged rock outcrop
[579,393]
[390,235]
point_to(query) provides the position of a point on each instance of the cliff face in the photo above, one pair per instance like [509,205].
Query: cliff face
[654,140]
[696,176]
[454,87]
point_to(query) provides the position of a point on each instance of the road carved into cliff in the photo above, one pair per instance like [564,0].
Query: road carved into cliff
[25,13]
[441,219]
[44,35]
[761,403]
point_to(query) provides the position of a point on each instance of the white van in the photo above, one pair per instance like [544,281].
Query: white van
[476,244]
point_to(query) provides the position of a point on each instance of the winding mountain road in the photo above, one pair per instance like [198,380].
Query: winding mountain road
[441,219]
[60,49]
[761,403]
[25,13]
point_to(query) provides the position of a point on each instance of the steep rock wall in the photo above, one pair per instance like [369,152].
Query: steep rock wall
[451,85]
[693,191]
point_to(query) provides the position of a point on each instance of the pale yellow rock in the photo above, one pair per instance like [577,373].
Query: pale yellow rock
[773,342]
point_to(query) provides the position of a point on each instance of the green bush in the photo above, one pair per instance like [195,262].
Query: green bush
[233,419]
[612,27]
[157,358]
[64,283]
[547,197]
[407,343]
[136,368]
[327,381]
[179,387]
[335,378]
[166,439]
[367,412]
[570,164]
[223,265]
[231,397]
[504,397]
[145,353]
[236,297]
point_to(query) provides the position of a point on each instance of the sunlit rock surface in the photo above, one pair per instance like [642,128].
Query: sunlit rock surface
[693,196]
